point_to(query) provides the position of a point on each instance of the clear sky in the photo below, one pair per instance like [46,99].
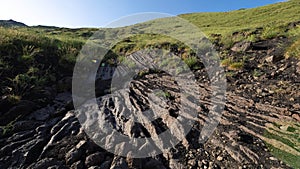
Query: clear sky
[98,13]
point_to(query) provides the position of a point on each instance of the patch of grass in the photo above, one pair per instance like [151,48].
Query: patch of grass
[165,94]
[14,98]
[252,38]
[291,129]
[9,127]
[226,62]
[293,50]
[290,159]
[236,66]
[279,138]
[229,22]
[142,73]
[191,61]
[270,32]
[227,41]
[230,74]
[257,73]
[276,125]
[284,141]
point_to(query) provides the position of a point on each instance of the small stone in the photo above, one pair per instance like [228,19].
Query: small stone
[272,158]
[258,91]
[81,144]
[192,162]
[219,158]
[296,106]
[269,59]
[296,116]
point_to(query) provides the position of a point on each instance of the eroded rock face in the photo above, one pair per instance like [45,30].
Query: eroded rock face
[53,137]
[60,142]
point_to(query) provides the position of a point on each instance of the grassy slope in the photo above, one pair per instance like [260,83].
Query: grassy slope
[227,22]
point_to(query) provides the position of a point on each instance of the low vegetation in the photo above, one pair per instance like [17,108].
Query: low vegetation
[284,142]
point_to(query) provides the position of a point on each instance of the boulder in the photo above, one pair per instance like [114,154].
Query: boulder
[241,46]
[94,159]
[73,155]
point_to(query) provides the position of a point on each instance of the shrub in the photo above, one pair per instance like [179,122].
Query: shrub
[23,83]
[191,61]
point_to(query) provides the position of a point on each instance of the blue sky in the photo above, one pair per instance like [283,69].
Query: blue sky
[98,13]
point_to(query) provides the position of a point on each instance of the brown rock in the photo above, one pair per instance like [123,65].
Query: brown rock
[296,116]
[241,46]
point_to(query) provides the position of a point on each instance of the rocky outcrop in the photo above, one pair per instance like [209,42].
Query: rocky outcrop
[260,114]
[53,137]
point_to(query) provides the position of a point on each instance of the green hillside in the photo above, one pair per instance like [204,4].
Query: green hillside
[47,49]
[275,15]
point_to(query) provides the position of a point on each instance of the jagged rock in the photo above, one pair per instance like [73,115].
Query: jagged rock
[274,58]
[42,114]
[58,140]
[241,46]
[95,159]
[119,163]
[298,68]
[77,165]
[96,167]
[296,116]
[73,155]
[105,165]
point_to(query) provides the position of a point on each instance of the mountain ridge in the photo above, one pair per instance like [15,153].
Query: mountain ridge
[11,23]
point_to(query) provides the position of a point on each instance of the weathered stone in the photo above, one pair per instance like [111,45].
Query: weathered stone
[119,163]
[296,116]
[73,155]
[77,165]
[42,114]
[154,164]
[241,46]
[95,159]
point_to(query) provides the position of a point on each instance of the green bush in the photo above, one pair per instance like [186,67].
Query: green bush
[191,61]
